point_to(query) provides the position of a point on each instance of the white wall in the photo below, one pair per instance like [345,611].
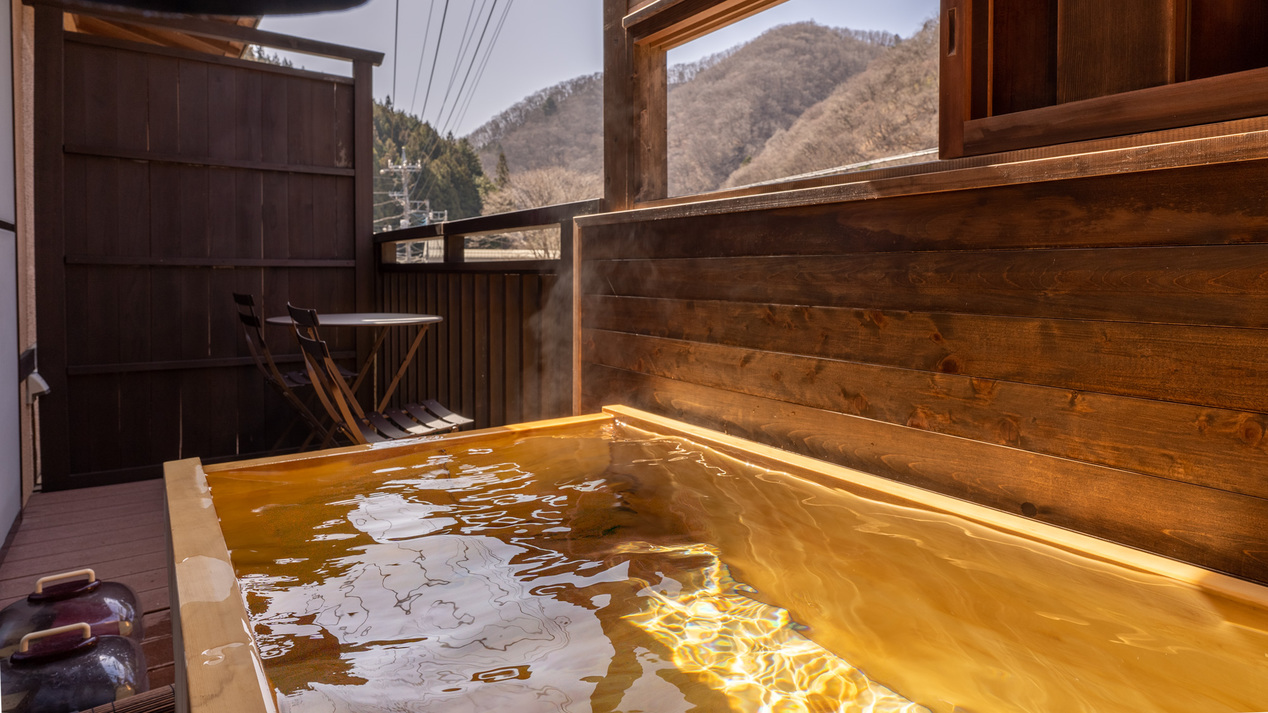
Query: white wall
[10,428]
[10,406]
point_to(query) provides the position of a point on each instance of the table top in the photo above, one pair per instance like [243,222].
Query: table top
[365,319]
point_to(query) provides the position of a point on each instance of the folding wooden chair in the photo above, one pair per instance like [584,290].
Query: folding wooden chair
[306,322]
[288,384]
[357,424]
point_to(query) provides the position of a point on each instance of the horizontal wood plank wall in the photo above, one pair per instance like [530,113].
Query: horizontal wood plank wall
[503,352]
[1089,352]
[185,180]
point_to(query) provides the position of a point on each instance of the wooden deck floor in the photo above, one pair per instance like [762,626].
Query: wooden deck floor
[116,530]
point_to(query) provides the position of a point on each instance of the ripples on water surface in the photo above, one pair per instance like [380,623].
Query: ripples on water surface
[607,571]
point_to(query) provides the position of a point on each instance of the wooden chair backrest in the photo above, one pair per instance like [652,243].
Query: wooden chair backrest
[253,332]
[305,320]
[333,392]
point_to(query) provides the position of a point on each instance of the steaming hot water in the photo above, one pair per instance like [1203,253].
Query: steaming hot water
[615,570]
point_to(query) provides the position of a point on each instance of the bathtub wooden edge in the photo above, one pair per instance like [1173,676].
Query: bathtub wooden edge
[527,428]
[829,474]
[218,667]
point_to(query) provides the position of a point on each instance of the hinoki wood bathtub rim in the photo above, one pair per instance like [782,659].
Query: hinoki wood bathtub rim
[831,475]
[207,619]
[218,666]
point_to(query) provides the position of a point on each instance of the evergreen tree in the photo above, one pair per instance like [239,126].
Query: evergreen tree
[450,176]
[256,53]
[504,171]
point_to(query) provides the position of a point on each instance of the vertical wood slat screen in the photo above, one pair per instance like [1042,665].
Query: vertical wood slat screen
[503,353]
[184,178]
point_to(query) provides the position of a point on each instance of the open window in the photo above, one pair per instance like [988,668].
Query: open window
[1024,73]
[783,117]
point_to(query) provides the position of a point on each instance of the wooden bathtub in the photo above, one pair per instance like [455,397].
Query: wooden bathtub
[965,608]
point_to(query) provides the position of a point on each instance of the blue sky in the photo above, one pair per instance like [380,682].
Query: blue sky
[542,42]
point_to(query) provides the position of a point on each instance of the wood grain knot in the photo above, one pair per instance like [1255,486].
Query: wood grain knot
[876,317]
[1009,433]
[1029,509]
[918,419]
[1251,432]
[984,388]
[861,405]
[950,365]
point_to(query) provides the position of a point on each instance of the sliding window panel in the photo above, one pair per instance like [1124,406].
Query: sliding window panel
[1112,47]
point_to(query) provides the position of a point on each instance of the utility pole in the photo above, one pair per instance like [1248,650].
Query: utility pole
[405,172]
[413,251]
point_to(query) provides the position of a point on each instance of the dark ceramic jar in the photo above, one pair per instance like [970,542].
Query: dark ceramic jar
[68,669]
[109,608]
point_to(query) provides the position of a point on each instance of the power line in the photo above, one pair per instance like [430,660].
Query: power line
[497,32]
[437,125]
[396,43]
[467,32]
[429,180]
[421,54]
[435,55]
[474,55]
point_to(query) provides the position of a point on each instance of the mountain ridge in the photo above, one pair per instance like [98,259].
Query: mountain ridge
[733,113]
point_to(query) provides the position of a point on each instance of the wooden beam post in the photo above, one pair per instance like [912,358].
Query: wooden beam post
[953,97]
[50,239]
[363,198]
[618,109]
[635,161]
[651,159]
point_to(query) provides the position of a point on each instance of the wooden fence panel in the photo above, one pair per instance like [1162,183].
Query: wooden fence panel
[176,180]
[488,359]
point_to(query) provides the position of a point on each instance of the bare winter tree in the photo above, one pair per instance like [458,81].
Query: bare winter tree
[733,116]
[722,118]
[534,189]
[890,108]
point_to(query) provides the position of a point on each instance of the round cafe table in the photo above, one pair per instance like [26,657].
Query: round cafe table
[383,321]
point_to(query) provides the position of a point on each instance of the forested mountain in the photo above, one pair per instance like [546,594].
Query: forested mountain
[722,118]
[449,170]
[890,108]
[798,98]
[558,126]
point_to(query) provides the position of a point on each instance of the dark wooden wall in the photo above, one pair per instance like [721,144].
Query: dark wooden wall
[502,355]
[1020,74]
[1087,351]
[167,180]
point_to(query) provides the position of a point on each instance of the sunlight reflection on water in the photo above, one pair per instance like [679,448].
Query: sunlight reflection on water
[610,571]
[478,586]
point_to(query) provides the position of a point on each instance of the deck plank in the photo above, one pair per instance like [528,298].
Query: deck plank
[116,569]
[87,534]
[111,515]
[160,676]
[36,561]
[118,531]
